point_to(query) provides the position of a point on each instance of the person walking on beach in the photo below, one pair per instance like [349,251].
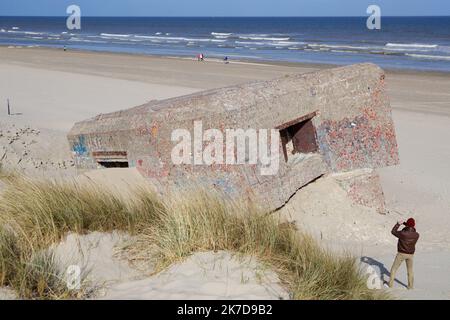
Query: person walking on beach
[200,57]
[406,247]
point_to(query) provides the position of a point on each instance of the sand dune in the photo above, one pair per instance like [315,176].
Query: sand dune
[205,276]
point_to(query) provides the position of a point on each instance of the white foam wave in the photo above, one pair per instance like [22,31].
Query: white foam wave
[330,46]
[264,38]
[406,50]
[411,45]
[286,43]
[113,35]
[173,39]
[428,57]
[221,34]
[33,33]
[26,32]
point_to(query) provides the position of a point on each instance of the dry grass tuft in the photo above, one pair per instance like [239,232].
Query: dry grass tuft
[34,214]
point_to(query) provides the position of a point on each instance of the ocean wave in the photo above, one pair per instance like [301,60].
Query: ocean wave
[116,35]
[344,51]
[173,39]
[74,39]
[264,38]
[335,46]
[221,34]
[428,57]
[406,50]
[32,33]
[411,45]
[287,43]
[251,43]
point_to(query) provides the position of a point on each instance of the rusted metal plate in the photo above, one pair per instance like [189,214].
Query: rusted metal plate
[110,154]
[299,136]
[304,137]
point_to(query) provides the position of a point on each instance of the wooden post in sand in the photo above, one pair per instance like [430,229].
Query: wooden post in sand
[9,110]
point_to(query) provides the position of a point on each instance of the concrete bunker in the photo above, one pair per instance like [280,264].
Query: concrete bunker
[328,115]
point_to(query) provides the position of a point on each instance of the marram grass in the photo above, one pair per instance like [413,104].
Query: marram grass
[37,213]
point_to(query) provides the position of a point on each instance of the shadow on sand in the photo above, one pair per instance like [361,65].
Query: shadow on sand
[384,272]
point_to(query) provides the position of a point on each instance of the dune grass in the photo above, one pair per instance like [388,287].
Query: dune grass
[35,214]
[207,222]
[33,274]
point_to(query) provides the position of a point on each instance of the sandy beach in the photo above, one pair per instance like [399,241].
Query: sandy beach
[49,90]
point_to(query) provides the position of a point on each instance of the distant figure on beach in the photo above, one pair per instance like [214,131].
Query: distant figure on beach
[201,57]
[226,60]
[65,48]
[407,239]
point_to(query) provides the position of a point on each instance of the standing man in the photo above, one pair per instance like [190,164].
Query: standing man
[407,239]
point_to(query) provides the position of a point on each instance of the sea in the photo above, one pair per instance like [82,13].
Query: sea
[414,43]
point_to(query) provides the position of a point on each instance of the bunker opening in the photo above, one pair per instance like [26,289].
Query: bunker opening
[111,159]
[299,136]
[113,164]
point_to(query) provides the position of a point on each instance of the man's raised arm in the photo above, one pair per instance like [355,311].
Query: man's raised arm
[395,231]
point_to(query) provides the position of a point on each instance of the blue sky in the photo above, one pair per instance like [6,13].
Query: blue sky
[225,7]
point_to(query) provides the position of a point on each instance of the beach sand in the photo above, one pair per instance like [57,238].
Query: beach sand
[49,90]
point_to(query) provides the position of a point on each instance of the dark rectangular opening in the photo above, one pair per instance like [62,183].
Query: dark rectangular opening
[113,164]
[111,159]
[299,137]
